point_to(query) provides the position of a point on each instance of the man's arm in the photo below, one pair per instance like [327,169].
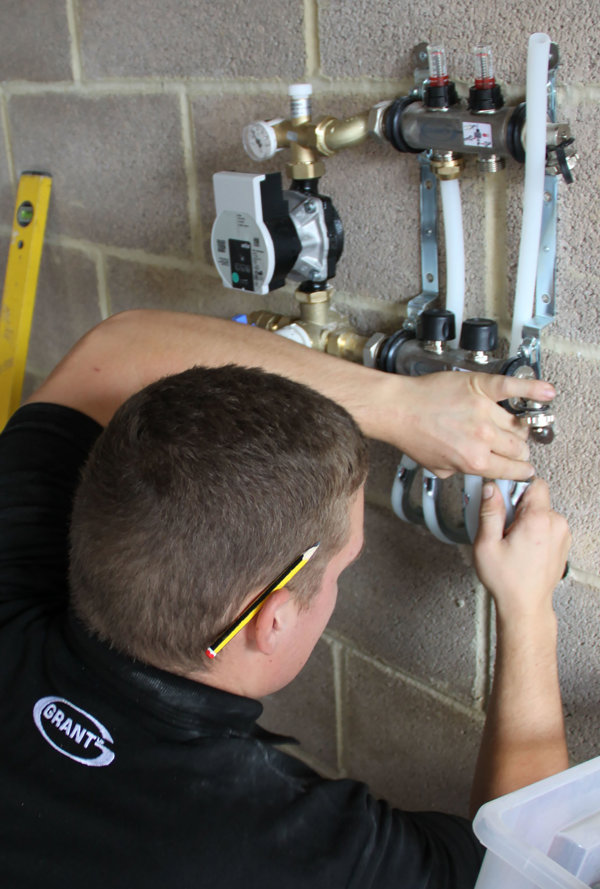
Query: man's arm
[524,736]
[446,421]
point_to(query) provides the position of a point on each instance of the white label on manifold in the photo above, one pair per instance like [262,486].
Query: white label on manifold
[477,134]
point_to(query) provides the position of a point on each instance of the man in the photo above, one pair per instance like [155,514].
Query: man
[130,756]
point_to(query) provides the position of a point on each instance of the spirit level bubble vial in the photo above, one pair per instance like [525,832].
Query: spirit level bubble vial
[20,284]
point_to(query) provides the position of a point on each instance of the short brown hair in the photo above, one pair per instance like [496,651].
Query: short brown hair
[200,491]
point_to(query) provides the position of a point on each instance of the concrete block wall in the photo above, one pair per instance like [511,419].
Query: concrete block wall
[132,107]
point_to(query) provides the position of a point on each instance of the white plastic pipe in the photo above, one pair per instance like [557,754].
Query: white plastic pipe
[455,251]
[535,169]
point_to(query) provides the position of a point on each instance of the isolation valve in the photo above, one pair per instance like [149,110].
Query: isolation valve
[428,351]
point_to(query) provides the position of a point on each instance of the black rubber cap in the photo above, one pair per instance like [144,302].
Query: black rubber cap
[479,335]
[393,124]
[487,99]
[436,325]
[514,129]
[440,96]
[386,359]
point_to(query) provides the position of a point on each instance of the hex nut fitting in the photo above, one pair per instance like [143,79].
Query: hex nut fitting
[376,120]
[446,168]
[371,349]
[311,170]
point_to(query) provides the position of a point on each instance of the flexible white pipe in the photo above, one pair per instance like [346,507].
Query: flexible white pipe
[455,251]
[535,169]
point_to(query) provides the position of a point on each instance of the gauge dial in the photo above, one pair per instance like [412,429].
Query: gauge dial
[260,139]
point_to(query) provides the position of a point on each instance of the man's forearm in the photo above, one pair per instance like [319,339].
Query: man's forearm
[449,423]
[524,736]
[132,349]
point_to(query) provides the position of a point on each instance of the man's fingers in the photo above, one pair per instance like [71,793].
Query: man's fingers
[504,467]
[492,515]
[498,448]
[499,387]
[507,422]
[537,495]
[511,444]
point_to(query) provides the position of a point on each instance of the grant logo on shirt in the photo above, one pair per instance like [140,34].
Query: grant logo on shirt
[73,732]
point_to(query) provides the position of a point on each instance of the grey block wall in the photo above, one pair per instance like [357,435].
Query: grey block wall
[132,107]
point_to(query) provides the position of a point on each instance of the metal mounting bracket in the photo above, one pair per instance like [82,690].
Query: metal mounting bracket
[429,247]
[545,310]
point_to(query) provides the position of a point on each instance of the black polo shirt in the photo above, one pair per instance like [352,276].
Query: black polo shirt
[116,774]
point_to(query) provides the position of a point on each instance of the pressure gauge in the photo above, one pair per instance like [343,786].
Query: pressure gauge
[260,139]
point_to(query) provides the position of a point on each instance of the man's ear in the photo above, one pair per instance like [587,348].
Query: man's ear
[274,621]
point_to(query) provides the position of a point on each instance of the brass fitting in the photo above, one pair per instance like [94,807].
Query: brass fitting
[305,164]
[282,129]
[318,324]
[315,308]
[447,165]
[322,323]
[325,138]
[321,130]
[331,134]
[269,320]
[346,343]
[308,142]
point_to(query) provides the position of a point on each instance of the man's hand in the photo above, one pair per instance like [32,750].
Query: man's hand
[454,423]
[521,567]
[524,737]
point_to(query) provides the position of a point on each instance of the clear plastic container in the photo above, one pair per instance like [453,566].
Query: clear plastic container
[545,835]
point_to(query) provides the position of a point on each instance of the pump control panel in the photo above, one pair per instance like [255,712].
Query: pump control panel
[262,234]
[254,243]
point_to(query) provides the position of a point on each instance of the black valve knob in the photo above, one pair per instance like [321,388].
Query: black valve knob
[436,325]
[479,335]
[486,99]
[441,96]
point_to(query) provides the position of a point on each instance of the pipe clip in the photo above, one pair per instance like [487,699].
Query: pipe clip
[430,511]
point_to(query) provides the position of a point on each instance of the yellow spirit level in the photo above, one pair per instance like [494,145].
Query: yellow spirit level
[20,284]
